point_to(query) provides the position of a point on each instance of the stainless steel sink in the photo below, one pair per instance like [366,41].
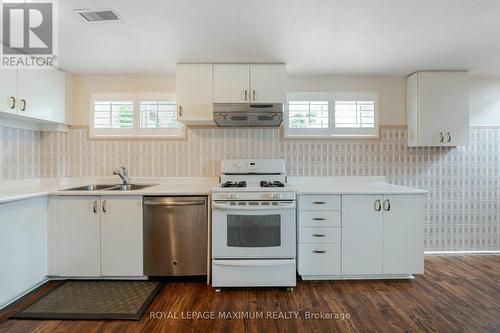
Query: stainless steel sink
[93,187]
[130,187]
[110,187]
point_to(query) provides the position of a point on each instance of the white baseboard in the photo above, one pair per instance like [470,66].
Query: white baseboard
[459,253]
[27,291]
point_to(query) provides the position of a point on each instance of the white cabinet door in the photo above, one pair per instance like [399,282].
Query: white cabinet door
[267,83]
[403,234]
[121,236]
[23,243]
[362,228]
[79,236]
[8,90]
[41,94]
[231,83]
[194,85]
[438,109]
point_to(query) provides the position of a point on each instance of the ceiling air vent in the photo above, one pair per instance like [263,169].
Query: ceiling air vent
[97,15]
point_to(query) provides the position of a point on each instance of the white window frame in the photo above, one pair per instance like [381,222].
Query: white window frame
[136,131]
[332,131]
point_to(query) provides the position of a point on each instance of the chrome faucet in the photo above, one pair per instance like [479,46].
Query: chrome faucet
[123,174]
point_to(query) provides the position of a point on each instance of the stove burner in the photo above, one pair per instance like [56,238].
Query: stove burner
[234,184]
[274,183]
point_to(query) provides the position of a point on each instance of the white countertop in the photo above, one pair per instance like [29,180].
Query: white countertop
[18,190]
[25,189]
[349,185]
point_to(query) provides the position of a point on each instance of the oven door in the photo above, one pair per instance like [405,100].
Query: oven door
[253,230]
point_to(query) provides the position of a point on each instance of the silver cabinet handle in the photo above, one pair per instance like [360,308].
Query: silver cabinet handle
[441,137]
[180,110]
[319,235]
[94,207]
[319,251]
[23,105]
[104,208]
[318,219]
[387,205]
[246,94]
[319,202]
[377,206]
[12,102]
[449,137]
[253,92]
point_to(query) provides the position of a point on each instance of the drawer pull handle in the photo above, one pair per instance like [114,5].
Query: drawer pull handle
[319,202]
[319,251]
[318,219]
[319,235]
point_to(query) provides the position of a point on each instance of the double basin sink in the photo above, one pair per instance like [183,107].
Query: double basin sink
[112,187]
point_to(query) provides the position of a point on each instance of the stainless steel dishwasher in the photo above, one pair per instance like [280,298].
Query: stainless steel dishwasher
[175,236]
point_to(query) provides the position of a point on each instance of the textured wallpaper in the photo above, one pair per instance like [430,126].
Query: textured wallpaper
[463,206]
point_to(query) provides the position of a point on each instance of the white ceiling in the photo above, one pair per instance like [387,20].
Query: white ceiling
[393,37]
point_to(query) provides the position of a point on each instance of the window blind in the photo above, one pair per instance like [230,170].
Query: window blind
[308,114]
[354,114]
[113,114]
[155,114]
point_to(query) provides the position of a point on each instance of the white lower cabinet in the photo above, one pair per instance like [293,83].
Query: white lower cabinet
[362,229]
[95,236]
[121,236]
[362,236]
[23,242]
[319,236]
[404,235]
[79,236]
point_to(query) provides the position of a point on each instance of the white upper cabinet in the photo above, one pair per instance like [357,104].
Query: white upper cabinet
[39,94]
[231,83]
[42,94]
[254,83]
[200,85]
[194,85]
[8,91]
[267,83]
[438,109]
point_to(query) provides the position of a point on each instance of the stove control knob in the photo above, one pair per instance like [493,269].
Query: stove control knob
[233,196]
[275,196]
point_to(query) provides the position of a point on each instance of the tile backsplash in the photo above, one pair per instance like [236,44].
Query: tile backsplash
[463,205]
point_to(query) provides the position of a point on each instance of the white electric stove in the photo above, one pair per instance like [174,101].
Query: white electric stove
[253,226]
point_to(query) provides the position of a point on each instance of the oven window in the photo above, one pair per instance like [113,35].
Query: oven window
[253,231]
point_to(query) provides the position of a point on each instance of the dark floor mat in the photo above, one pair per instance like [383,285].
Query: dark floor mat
[94,300]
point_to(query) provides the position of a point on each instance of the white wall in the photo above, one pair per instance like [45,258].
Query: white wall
[485,100]
[391,90]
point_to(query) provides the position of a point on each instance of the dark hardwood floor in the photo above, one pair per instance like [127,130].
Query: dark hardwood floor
[456,294]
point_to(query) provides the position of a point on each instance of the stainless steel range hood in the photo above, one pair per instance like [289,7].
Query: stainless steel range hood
[248,115]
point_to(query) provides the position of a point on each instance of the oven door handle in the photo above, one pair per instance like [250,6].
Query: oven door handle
[252,208]
[253,263]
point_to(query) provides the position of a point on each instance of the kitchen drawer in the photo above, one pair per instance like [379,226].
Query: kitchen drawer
[313,263]
[320,218]
[320,235]
[319,202]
